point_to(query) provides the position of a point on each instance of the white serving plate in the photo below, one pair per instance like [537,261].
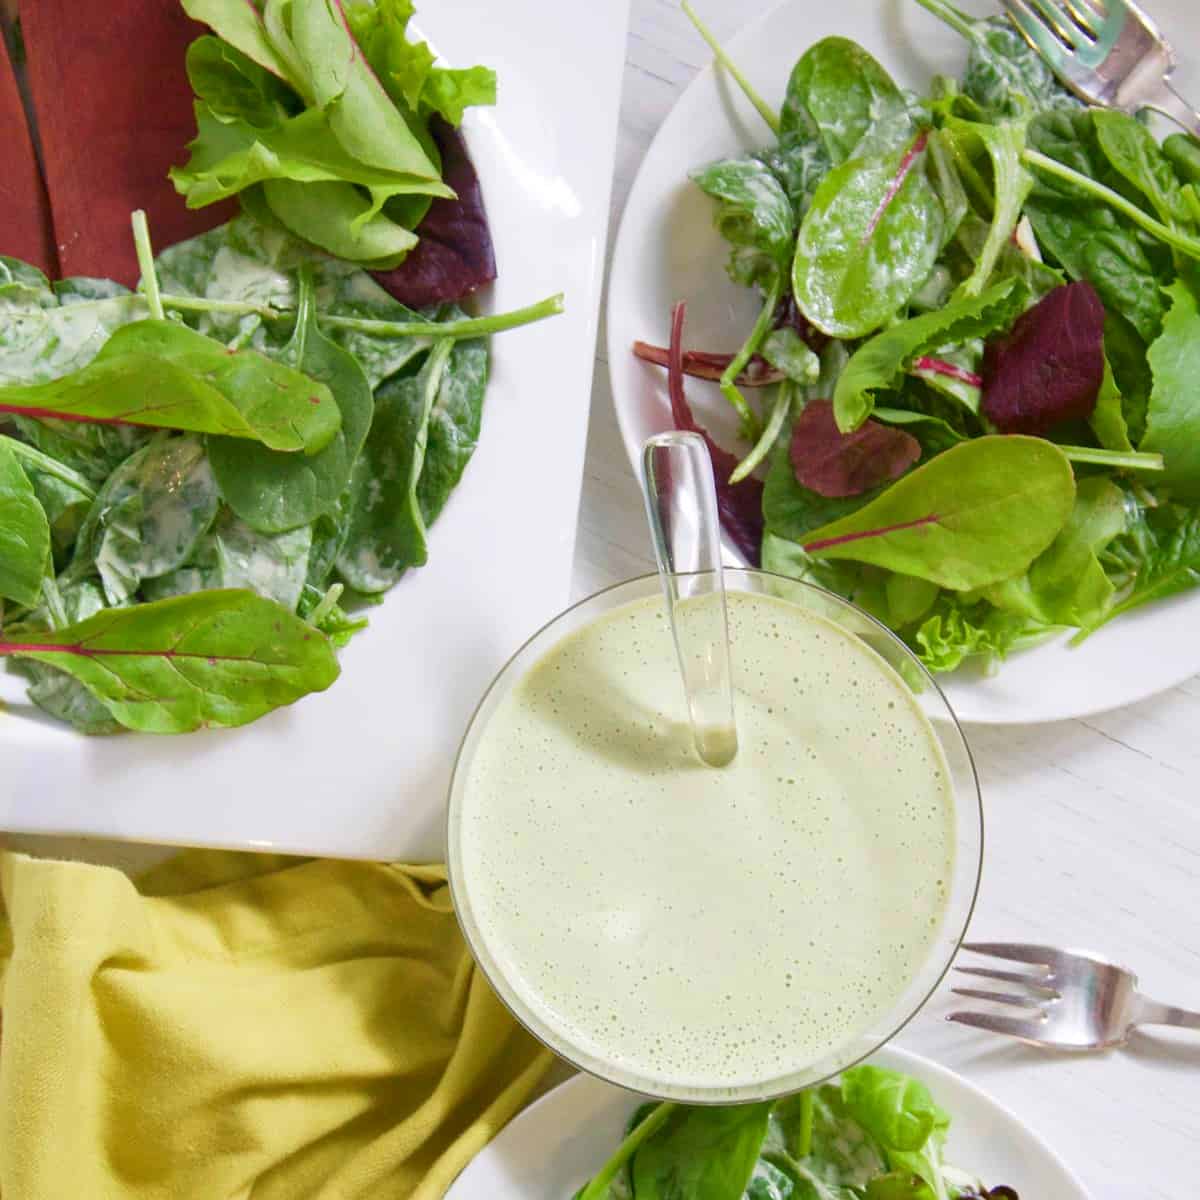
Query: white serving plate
[667,250]
[560,1142]
[363,769]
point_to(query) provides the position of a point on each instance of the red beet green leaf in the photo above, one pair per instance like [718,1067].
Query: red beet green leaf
[739,504]
[213,658]
[836,464]
[1048,369]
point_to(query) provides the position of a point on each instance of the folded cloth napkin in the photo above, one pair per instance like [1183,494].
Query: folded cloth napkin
[244,1026]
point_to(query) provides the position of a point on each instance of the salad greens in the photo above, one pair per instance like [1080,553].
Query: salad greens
[164,571]
[874,1134]
[319,114]
[969,384]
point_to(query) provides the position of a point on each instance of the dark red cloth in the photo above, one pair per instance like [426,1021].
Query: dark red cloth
[25,231]
[114,112]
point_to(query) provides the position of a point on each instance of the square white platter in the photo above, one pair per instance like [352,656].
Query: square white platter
[362,770]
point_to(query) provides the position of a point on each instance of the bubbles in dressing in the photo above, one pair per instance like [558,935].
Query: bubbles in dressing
[700,927]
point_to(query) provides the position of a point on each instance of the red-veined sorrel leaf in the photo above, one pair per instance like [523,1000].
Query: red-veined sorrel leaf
[832,463]
[1049,367]
[739,504]
[214,658]
[977,513]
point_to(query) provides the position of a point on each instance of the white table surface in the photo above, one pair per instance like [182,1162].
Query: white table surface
[1093,827]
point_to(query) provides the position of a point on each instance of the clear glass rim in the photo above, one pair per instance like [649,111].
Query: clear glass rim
[780,1086]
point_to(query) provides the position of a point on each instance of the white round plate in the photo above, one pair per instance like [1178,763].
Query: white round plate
[667,250]
[560,1142]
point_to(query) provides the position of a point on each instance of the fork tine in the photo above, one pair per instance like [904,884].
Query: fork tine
[999,997]
[1029,981]
[1080,11]
[1033,29]
[1067,32]
[1028,1030]
[1039,956]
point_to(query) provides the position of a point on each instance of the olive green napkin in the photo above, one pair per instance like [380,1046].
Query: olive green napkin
[239,1026]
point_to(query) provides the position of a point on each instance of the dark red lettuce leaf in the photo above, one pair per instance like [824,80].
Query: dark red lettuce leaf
[1049,367]
[739,504]
[454,255]
[834,464]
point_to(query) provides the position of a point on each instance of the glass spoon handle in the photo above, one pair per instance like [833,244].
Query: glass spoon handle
[681,507]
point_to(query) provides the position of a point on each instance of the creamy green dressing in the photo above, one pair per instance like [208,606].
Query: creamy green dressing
[699,927]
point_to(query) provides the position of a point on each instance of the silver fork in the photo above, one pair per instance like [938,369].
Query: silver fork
[1073,1000]
[1108,52]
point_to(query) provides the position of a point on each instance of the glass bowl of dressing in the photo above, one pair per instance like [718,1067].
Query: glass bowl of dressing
[714,935]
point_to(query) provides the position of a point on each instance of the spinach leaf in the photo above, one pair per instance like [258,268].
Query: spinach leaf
[24,534]
[799,162]
[786,351]
[979,513]
[1011,183]
[162,374]
[91,451]
[1133,152]
[701,1153]
[233,555]
[219,658]
[1157,556]
[65,698]
[386,525]
[867,243]
[881,362]
[1173,418]
[272,491]
[148,516]
[840,93]
[753,214]
[1066,585]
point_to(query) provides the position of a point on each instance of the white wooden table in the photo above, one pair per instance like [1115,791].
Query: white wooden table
[1093,827]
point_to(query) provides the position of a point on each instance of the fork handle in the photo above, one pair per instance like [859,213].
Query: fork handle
[1166,100]
[1150,1012]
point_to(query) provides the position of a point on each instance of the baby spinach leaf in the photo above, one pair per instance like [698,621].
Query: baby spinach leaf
[787,352]
[1049,367]
[839,92]
[272,491]
[701,1153]
[24,534]
[148,516]
[1066,584]
[799,162]
[836,464]
[979,513]
[867,243]
[1173,418]
[92,451]
[233,555]
[220,658]
[1011,184]
[753,214]
[881,362]
[387,527]
[1133,152]
[65,698]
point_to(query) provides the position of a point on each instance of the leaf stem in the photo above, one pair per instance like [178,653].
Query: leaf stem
[751,426]
[1131,460]
[49,466]
[466,328]
[1180,241]
[767,439]
[807,1109]
[957,21]
[765,111]
[598,1187]
[145,257]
